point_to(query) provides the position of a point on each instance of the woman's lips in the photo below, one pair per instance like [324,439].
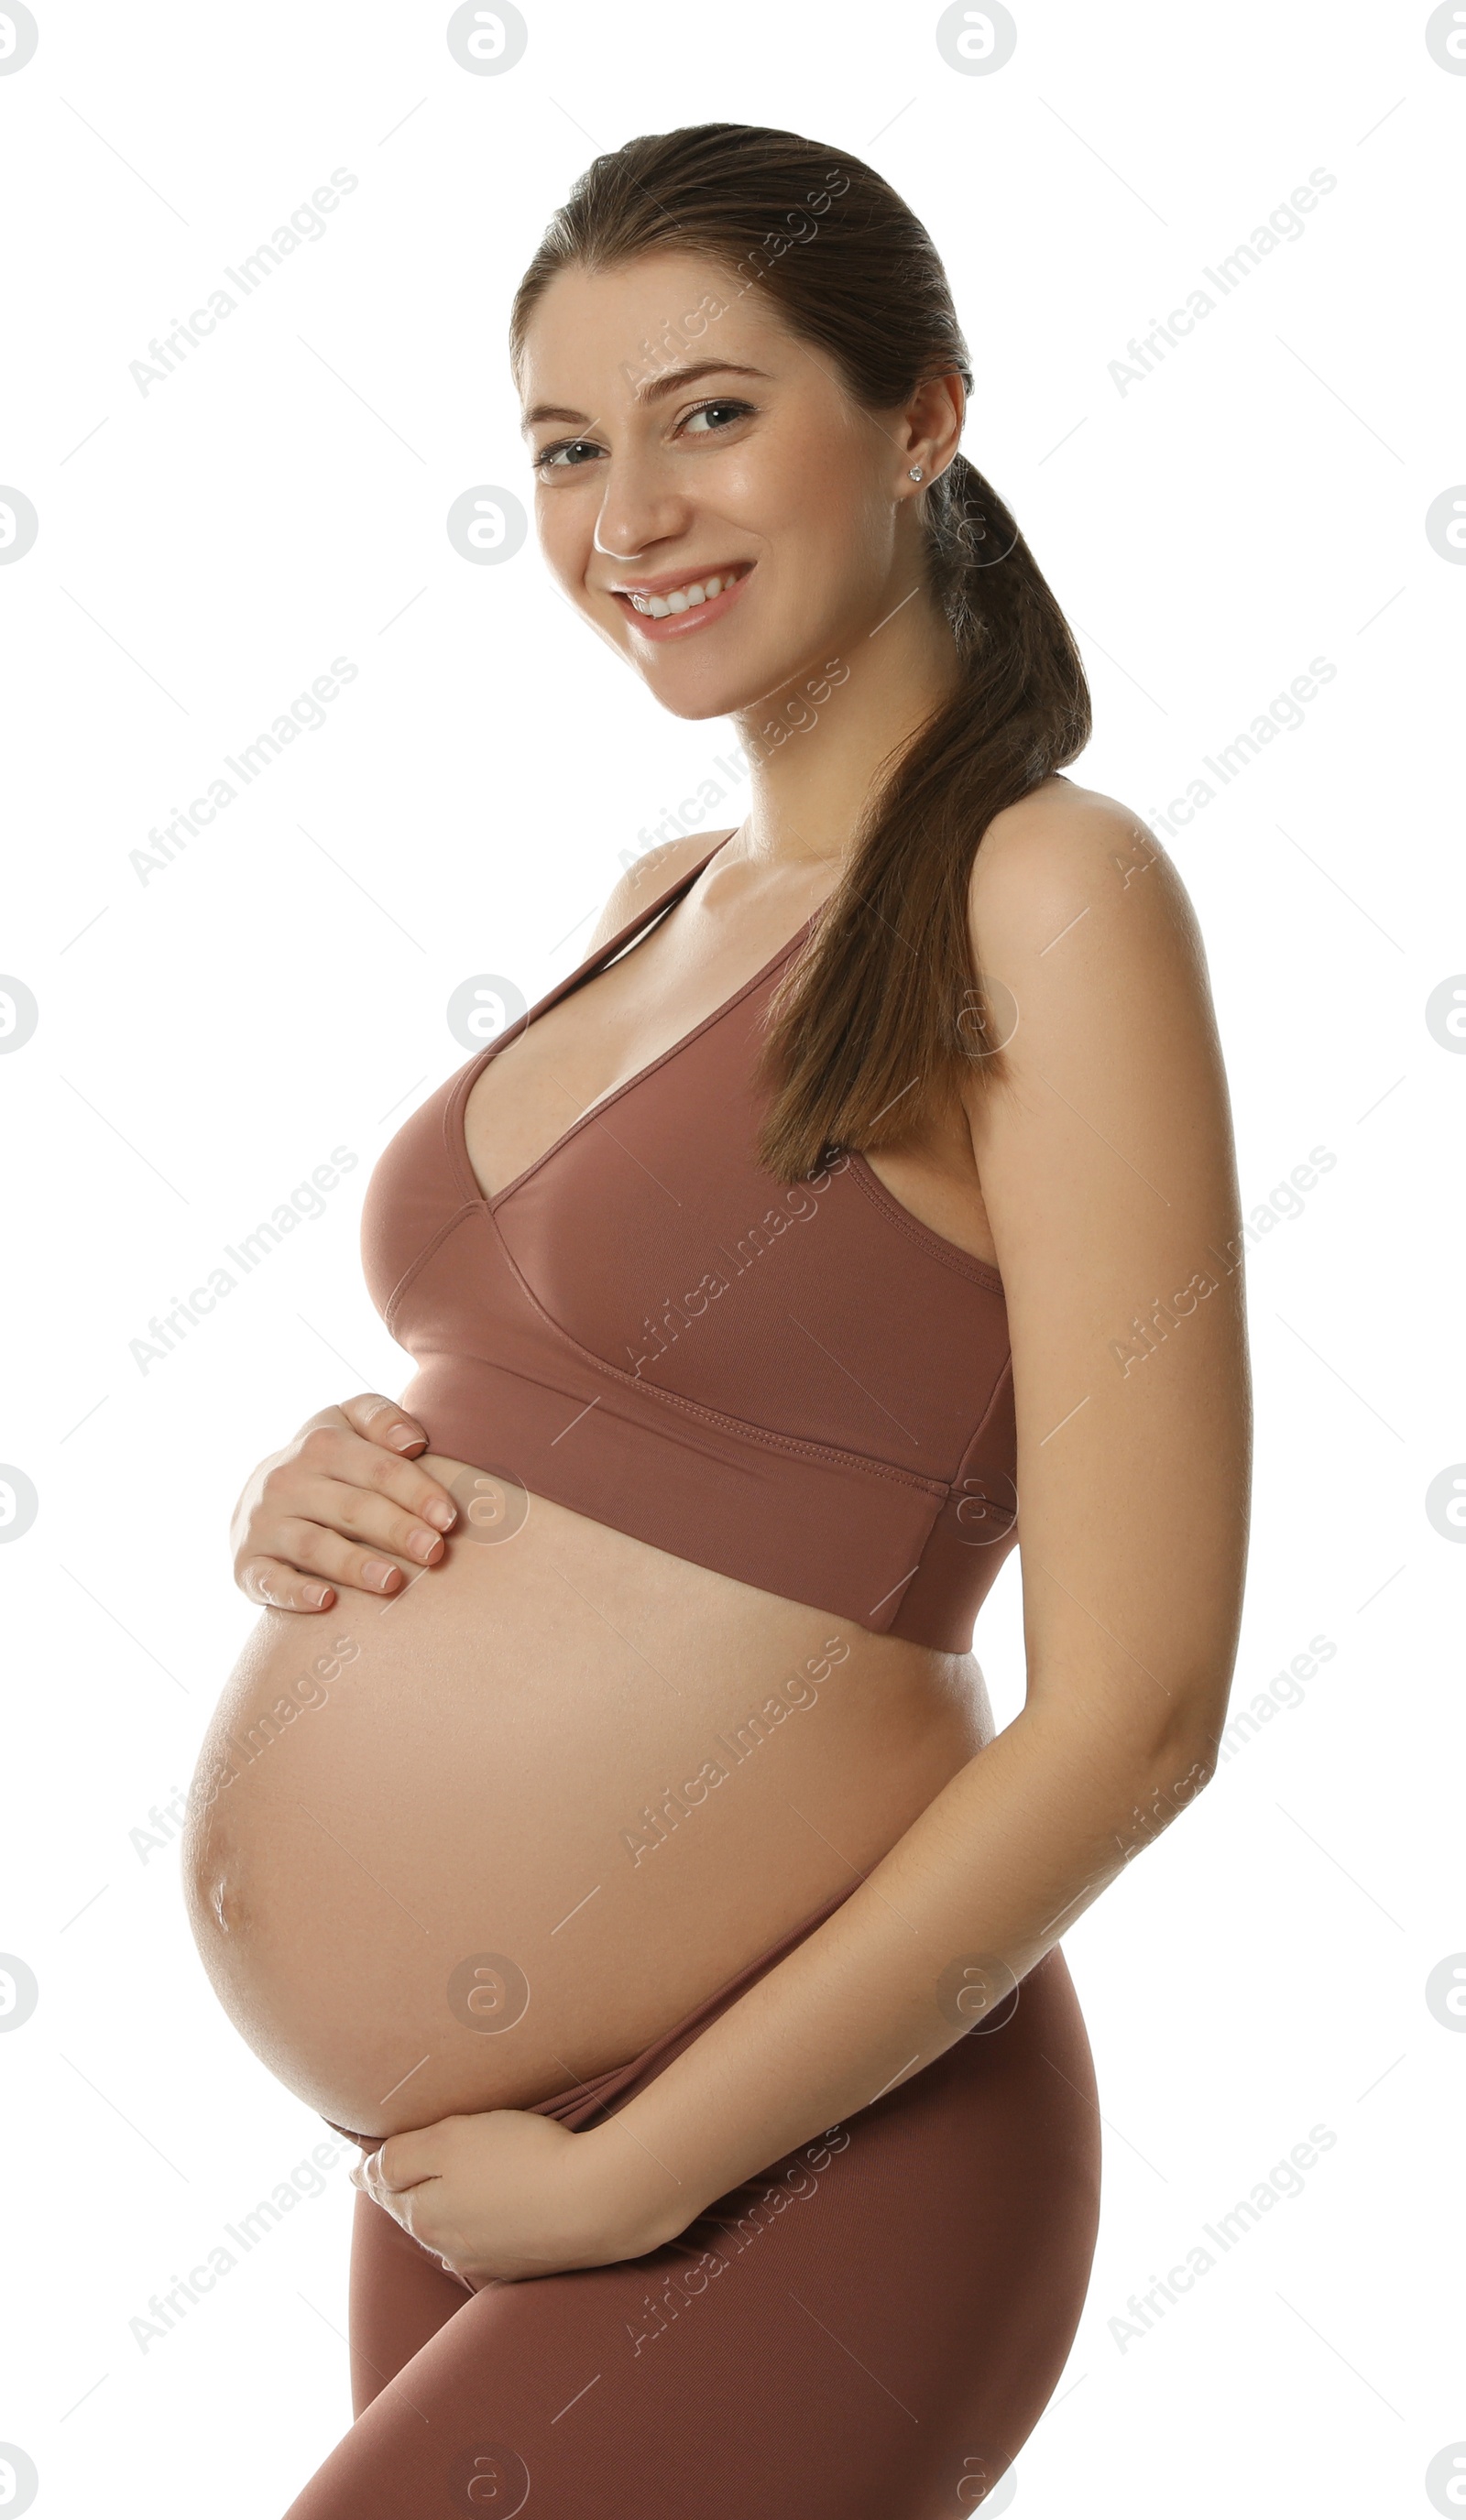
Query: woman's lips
[680,625]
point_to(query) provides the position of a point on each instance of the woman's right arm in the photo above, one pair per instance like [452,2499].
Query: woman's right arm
[340,1506]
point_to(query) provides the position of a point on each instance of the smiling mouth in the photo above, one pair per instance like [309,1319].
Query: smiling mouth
[691,595]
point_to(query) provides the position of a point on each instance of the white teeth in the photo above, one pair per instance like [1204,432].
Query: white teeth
[682,597]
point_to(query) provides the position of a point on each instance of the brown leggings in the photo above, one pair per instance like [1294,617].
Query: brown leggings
[868,2330]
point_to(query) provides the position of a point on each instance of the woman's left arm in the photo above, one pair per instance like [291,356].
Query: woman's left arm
[1105,1154]
[1108,1172]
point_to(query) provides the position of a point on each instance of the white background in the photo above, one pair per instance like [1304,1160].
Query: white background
[209,1035]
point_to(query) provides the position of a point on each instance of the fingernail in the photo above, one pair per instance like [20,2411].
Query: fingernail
[401,1436]
[378,1572]
[442,1514]
[318,1594]
[422,1545]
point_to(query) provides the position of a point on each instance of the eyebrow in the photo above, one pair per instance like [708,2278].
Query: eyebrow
[647,394]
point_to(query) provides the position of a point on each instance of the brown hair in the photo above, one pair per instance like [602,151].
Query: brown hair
[852,272]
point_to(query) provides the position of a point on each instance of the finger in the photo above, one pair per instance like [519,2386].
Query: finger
[366,2178]
[405,2161]
[368,1515]
[382,1421]
[343,1513]
[313,1552]
[278,1587]
[334,1453]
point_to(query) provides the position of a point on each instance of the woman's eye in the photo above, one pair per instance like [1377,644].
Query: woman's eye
[556,456]
[571,454]
[707,410]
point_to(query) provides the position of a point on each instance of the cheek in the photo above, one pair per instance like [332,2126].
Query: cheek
[834,579]
[830,536]
[565,521]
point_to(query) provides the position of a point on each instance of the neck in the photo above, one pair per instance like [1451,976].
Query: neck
[818,744]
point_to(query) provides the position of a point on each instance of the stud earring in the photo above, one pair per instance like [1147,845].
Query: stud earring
[915,475]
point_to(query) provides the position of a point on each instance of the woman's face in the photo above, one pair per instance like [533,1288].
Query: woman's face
[741,458]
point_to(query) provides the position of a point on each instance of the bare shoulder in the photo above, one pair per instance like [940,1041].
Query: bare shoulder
[647,877]
[1111,1072]
[1065,854]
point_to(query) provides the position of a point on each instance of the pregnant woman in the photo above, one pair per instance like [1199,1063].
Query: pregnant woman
[606,1824]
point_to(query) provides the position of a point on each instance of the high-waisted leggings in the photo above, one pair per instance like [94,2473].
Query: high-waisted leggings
[868,2330]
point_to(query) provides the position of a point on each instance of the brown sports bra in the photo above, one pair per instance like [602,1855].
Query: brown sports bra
[798,1385]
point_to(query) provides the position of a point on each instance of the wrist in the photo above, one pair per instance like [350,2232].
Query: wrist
[627,2203]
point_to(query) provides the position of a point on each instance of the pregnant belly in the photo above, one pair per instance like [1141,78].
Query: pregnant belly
[462,1850]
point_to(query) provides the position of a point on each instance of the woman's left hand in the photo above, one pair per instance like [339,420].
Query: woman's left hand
[501,2196]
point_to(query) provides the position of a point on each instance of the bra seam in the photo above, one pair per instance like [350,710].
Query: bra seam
[625,940]
[420,1262]
[1004,1374]
[795,1445]
[963,1264]
[643,1076]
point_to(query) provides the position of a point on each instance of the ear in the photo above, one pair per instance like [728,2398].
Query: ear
[931,428]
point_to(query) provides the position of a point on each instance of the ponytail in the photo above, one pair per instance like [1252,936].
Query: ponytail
[880,1014]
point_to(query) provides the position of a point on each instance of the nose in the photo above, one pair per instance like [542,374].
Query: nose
[639,507]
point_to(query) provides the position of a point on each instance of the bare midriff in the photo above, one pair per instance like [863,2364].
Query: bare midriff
[499,1833]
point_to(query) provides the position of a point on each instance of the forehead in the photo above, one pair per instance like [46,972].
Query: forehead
[609,332]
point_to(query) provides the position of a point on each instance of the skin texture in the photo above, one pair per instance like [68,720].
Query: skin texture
[1099,1179]
[464,1769]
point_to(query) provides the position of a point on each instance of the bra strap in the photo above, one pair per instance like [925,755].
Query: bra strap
[664,901]
[600,955]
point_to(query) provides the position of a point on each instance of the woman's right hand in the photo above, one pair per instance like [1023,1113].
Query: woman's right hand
[340,1503]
